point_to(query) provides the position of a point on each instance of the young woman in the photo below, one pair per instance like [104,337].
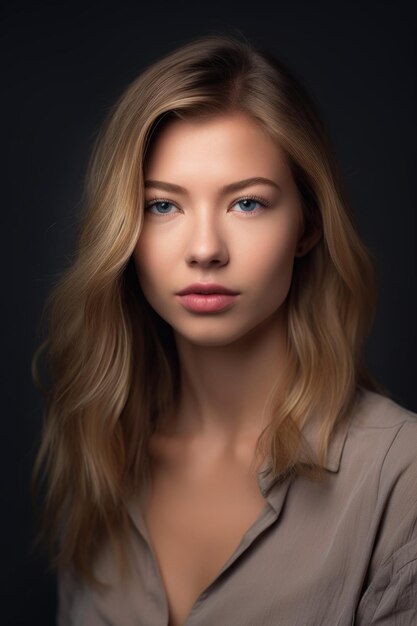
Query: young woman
[214,451]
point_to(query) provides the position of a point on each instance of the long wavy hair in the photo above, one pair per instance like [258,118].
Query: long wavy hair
[111,361]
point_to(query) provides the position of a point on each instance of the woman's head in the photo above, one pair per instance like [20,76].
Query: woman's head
[112,357]
[214,77]
[199,228]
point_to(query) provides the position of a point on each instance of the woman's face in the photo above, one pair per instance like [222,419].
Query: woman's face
[204,224]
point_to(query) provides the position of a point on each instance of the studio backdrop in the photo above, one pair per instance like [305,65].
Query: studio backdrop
[64,66]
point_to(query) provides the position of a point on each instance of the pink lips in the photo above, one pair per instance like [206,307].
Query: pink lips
[207,297]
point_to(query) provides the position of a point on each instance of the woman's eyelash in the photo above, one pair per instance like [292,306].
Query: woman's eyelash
[154,200]
[262,201]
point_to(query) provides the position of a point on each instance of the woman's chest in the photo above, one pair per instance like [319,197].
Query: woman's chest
[304,559]
[195,523]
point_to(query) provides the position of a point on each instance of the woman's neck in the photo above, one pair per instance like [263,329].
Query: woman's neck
[224,388]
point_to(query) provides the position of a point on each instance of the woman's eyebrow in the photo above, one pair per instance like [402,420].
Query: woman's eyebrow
[240,184]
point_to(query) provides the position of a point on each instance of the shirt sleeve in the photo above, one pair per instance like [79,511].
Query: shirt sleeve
[391,598]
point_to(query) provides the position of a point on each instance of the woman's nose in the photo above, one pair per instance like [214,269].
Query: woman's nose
[206,244]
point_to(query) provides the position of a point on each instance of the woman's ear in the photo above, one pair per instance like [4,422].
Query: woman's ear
[311,235]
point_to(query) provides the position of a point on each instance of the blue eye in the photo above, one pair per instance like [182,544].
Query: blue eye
[161,207]
[252,204]
[248,204]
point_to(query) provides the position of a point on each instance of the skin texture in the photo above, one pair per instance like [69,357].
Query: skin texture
[229,360]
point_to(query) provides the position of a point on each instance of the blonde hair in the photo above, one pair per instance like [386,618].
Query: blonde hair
[112,361]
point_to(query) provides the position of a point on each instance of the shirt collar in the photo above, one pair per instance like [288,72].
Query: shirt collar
[337,440]
[311,432]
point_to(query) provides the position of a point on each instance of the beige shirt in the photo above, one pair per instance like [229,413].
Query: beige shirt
[338,553]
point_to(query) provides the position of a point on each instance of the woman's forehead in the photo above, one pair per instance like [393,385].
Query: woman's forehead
[234,144]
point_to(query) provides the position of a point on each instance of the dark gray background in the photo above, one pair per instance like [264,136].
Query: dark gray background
[65,64]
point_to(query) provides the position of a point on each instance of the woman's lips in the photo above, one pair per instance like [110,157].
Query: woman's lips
[207,303]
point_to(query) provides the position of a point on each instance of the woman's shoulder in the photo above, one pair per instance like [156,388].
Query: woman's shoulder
[380,452]
[374,410]
[389,428]
[383,435]
[388,432]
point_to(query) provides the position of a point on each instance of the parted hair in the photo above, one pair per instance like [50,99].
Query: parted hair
[111,365]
